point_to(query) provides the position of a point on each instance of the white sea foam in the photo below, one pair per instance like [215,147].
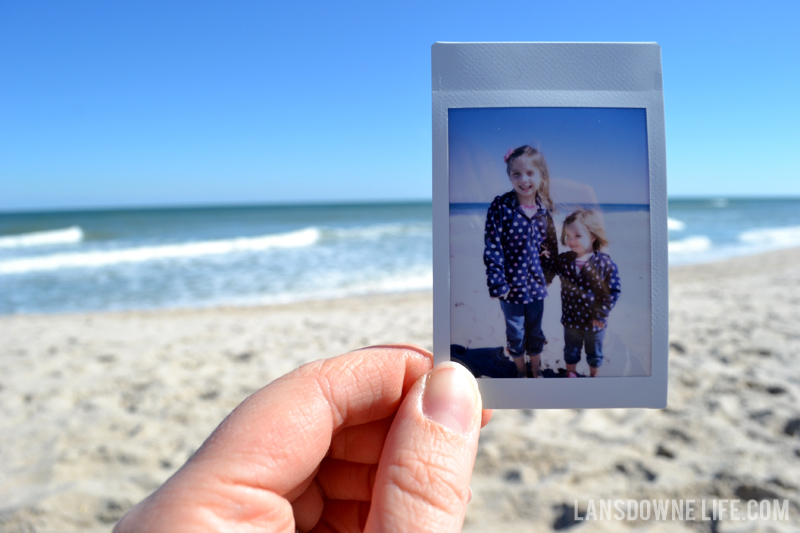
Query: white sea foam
[690,245]
[378,231]
[676,225]
[69,235]
[772,237]
[702,249]
[294,239]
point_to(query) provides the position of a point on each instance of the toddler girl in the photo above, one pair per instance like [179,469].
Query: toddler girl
[589,289]
[519,230]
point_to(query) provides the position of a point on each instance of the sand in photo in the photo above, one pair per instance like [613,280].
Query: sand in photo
[477,321]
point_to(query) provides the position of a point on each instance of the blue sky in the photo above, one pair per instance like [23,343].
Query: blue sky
[165,103]
[592,154]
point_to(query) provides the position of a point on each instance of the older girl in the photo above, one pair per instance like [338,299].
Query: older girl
[520,238]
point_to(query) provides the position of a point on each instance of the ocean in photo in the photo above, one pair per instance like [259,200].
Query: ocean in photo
[100,260]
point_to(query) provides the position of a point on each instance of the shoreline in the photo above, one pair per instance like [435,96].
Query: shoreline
[314,304]
[736,266]
[681,272]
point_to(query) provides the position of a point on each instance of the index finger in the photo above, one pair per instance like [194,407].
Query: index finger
[277,437]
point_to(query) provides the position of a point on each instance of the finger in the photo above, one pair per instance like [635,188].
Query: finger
[278,436]
[343,517]
[307,508]
[361,444]
[486,415]
[173,508]
[422,483]
[343,480]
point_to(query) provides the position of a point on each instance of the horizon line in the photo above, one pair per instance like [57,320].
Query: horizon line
[353,202]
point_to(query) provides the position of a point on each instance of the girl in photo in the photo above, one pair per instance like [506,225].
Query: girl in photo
[519,237]
[589,289]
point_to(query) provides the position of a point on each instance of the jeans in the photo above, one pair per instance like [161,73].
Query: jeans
[524,327]
[575,339]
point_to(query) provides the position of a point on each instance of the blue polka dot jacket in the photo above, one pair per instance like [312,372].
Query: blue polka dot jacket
[514,243]
[589,294]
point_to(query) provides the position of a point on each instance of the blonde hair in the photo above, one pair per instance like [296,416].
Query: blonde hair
[543,193]
[590,219]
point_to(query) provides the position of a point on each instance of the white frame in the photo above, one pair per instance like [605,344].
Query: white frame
[618,75]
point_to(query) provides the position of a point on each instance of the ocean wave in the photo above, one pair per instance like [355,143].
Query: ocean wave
[690,245]
[702,250]
[376,232]
[675,225]
[294,239]
[772,237]
[720,203]
[70,235]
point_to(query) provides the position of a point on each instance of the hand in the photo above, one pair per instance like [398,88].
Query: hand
[598,324]
[502,296]
[545,252]
[371,440]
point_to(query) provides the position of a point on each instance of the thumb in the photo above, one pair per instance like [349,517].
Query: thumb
[422,482]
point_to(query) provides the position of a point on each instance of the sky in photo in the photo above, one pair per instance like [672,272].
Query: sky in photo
[106,104]
[593,154]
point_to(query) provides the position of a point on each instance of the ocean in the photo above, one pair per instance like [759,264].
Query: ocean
[100,260]
[194,257]
[711,229]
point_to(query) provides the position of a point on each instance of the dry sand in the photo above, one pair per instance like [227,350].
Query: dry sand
[97,410]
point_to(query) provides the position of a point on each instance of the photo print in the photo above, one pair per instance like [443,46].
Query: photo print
[549,250]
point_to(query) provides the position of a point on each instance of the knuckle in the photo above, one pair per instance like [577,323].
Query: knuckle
[427,480]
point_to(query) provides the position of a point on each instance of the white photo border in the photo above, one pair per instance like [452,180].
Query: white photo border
[581,75]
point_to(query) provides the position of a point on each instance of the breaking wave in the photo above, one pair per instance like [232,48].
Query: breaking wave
[294,239]
[71,235]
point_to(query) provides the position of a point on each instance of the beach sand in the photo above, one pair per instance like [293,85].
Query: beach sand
[97,410]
